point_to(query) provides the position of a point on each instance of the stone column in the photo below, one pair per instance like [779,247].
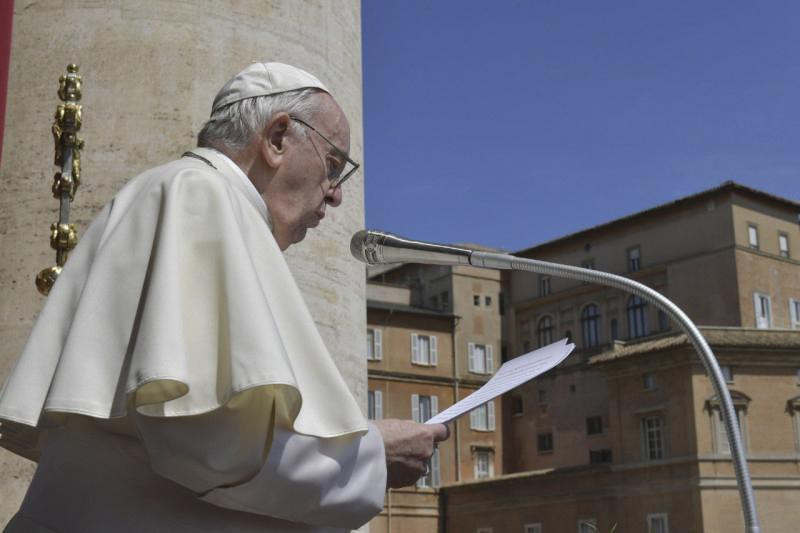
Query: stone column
[150,70]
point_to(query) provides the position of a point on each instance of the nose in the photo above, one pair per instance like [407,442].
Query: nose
[333,196]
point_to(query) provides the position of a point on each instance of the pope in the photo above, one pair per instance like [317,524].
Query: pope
[174,380]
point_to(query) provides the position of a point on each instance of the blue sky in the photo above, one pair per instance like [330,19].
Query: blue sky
[509,123]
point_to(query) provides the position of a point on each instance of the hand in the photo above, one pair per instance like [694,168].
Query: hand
[408,446]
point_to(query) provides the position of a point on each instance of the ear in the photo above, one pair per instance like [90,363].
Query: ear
[273,139]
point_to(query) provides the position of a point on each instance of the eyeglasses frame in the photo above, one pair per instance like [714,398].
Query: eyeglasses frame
[340,179]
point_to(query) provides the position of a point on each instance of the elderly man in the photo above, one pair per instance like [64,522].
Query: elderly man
[175,379]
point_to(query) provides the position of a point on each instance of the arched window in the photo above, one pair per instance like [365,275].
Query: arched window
[544,331]
[719,437]
[590,324]
[637,317]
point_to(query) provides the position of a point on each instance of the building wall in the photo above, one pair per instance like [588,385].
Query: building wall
[150,71]
[692,228]
[397,329]
[557,500]
[767,274]
[694,485]
[572,395]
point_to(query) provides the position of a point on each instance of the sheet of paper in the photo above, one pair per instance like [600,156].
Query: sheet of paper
[510,375]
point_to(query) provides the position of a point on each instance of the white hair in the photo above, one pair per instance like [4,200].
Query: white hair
[234,125]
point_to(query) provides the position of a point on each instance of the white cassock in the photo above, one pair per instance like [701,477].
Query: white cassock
[177,380]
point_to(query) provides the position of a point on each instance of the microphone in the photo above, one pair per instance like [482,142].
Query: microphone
[379,247]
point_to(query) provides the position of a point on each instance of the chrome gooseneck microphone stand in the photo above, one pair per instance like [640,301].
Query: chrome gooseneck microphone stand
[376,247]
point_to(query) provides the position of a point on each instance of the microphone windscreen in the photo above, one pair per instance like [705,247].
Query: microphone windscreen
[357,245]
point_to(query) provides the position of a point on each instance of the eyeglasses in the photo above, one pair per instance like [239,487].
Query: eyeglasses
[336,169]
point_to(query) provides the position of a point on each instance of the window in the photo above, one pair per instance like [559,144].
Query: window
[544,331]
[423,408]
[476,299]
[374,404]
[374,344]
[794,313]
[634,259]
[445,299]
[481,358]
[594,425]
[544,442]
[587,525]
[483,464]
[637,317]
[794,408]
[649,381]
[763,310]
[652,438]
[590,323]
[783,245]
[487,300]
[614,329]
[598,457]
[544,285]
[542,395]
[424,350]
[433,477]
[719,434]
[663,321]
[434,302]
[482,418]
[752,236]
[516,406]
[727,373]
[657,523]
[532,528]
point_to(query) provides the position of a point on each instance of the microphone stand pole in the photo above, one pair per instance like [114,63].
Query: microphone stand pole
[509,262]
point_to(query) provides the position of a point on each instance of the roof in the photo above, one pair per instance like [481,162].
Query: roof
[389,306]
[717,337]
[726,186]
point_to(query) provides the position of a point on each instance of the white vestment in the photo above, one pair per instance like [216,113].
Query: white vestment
[180,380]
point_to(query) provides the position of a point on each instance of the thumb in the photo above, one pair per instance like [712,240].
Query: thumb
[440,432]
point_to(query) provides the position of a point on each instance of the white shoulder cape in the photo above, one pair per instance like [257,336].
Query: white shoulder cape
[176,301]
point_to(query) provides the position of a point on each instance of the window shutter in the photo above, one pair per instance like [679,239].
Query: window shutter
[490,407]
[489,359]
[414,348]
[415,408]
[473,419]
[436,481]
[378,344]
[434,406]
[378,405]
[471,347]
[434,350]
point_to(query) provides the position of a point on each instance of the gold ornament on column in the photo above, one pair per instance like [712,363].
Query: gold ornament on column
[68,146]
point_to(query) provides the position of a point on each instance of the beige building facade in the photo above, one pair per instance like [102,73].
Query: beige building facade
[433,336]
[626,431]
[671,468]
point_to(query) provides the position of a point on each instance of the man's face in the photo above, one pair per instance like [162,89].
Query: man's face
[302,191]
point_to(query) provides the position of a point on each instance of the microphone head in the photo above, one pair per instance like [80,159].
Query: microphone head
[357,245]
[365,246]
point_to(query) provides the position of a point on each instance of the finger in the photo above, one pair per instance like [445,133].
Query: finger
[440,432]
